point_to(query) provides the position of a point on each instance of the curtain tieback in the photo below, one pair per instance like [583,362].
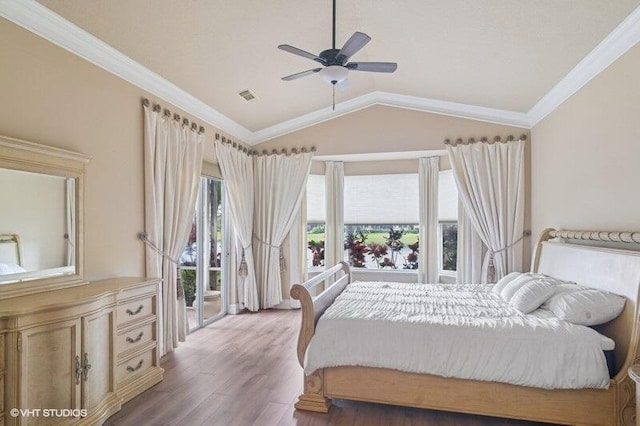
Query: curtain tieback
[144,238]
[491,268]
[283,265]
[243,269]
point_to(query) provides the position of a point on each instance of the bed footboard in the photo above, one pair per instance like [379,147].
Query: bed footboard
[334,280]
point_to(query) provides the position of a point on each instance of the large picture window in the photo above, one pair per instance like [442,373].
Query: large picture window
[381,222]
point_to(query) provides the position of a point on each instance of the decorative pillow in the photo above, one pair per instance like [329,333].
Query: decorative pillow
[585,306]
[510,289]
[532,294]
[497,287]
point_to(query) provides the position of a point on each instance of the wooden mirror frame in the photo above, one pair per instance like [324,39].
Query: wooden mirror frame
[16,154]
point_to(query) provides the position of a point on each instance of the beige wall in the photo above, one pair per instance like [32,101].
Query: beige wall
[387,129]
[585,168]
[53,97]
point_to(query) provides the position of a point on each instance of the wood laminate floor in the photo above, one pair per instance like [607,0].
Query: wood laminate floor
[243,370]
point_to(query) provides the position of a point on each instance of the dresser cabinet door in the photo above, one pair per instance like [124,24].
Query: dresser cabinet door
[49,355]
[98,331]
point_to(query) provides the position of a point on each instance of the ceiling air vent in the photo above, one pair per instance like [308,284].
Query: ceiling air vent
[247,95]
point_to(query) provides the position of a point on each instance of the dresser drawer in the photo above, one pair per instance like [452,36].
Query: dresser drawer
[134,367]
[135,310]
[135,338]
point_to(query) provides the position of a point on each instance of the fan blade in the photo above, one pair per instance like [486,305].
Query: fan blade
[372,66]
[301,74]
[300,52]
[355,43]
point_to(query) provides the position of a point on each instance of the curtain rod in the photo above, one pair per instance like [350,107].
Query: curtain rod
[274,151]
[483,139]
[167,113]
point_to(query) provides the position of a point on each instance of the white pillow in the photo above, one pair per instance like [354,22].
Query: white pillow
[585,306]
[531,295]
[10,268]
[510,289]
[497,287]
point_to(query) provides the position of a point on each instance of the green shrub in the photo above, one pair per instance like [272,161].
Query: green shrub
[188,277]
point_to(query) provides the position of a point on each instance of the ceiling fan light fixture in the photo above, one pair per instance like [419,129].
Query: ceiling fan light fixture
[334,74]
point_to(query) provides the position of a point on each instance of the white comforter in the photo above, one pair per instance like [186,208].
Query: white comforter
[463,331]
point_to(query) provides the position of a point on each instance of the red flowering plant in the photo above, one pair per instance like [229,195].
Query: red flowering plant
[378,252]
[355,244]
[411,261]
[317,252]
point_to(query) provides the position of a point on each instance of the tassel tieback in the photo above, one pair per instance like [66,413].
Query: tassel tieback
[243,269]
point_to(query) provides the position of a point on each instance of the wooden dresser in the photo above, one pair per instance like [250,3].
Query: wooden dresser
[82,350]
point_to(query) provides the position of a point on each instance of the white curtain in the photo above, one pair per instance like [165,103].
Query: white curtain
[334,222]
[173,161]
[490,180]
[471,251]
[279,183]
[428,265]
[297,259]
[237,172]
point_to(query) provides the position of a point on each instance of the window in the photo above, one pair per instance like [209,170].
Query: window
[381,221]
[316,199]
[447,222]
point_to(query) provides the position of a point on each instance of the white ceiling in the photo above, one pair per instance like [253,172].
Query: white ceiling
[499,54]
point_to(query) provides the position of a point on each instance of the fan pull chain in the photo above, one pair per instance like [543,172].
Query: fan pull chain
[334,96]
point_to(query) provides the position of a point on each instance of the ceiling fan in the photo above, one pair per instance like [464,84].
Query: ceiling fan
[335,66]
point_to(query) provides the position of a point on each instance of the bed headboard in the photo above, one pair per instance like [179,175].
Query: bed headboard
[10,249]
[611,269]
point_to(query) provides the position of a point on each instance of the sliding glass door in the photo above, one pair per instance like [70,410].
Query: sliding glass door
[203,262]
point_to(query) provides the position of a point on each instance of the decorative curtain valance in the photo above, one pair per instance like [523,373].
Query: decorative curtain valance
[490,180]
[255,152]
[167,113]
[469,141]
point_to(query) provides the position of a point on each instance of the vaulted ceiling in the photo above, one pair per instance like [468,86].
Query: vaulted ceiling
[500,55]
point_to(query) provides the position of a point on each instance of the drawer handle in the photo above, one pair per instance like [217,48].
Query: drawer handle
[86,367]
[131,369]
[137,339]
[136,312]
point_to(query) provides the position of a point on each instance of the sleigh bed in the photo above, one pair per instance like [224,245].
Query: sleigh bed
[559,254]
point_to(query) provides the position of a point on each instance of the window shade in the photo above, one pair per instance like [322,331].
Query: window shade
[382,199]
[316,196]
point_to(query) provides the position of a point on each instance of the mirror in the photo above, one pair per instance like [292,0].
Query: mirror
[37,225]
[41,217]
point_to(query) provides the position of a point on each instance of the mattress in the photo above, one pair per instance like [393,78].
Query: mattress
[462,331]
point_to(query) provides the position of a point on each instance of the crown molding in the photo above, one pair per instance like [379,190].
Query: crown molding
[617,43]
[416,103]
[38,19]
